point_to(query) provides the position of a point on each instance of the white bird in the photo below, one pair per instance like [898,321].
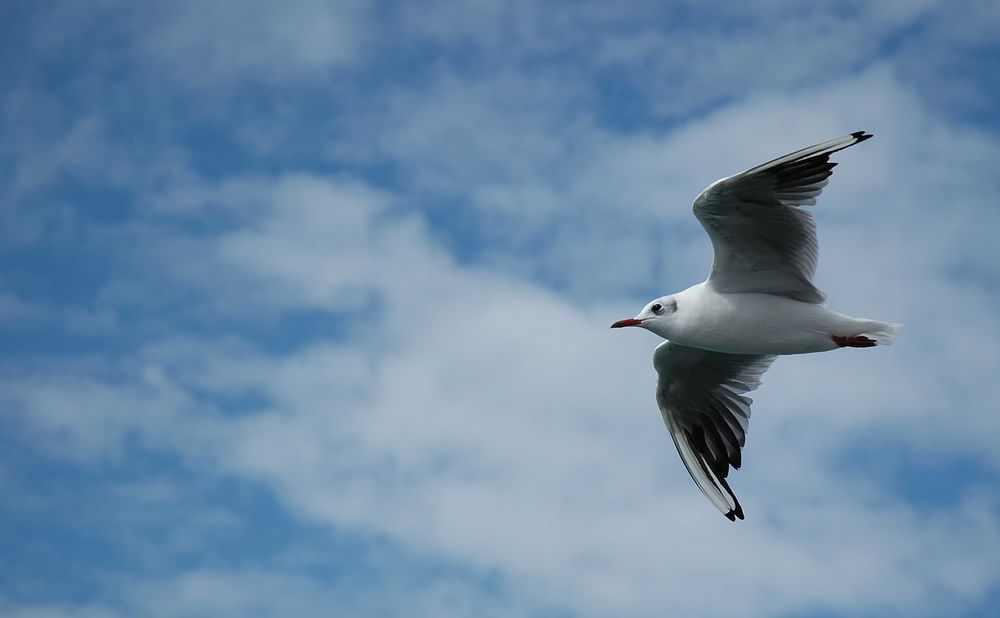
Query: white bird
[758,302]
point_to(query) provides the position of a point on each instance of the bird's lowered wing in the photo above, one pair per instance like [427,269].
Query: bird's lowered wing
[700,395]
[763,241]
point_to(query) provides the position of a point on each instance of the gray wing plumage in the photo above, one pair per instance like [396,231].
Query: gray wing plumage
[763,241]
[701,398]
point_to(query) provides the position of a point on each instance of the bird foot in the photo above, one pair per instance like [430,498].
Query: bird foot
[858,341]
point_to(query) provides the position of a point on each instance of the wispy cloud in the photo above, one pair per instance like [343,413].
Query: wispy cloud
[312,316]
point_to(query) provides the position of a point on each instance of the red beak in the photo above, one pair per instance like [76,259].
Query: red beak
[626,322]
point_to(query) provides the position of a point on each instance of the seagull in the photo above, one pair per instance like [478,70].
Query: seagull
[757,303]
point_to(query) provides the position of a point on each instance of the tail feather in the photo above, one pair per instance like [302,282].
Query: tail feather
[883,332]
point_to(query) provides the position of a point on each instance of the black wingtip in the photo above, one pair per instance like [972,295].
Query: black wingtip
[737,512]
[860,136]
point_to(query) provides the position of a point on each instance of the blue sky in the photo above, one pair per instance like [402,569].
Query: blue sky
[304,309]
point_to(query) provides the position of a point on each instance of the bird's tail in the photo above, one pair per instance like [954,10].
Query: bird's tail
[883,332]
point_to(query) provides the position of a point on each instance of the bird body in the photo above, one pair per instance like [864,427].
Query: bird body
[749,323]
[757,303]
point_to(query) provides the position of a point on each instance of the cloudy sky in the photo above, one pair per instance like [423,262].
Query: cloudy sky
[304,308]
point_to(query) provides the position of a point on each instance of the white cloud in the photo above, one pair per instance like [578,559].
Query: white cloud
[56,610]
[223,593]
[220,44]
[478,410]
[481,418]
[14,309]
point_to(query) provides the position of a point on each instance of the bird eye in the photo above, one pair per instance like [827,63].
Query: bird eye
[657,308]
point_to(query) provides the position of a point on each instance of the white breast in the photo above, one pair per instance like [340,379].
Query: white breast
[753,323]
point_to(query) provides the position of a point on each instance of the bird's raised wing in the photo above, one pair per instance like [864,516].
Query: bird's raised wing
[700,395]
[763,241]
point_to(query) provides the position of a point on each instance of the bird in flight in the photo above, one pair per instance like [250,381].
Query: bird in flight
[758,302]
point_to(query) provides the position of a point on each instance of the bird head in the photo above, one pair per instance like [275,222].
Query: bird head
[655,316]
